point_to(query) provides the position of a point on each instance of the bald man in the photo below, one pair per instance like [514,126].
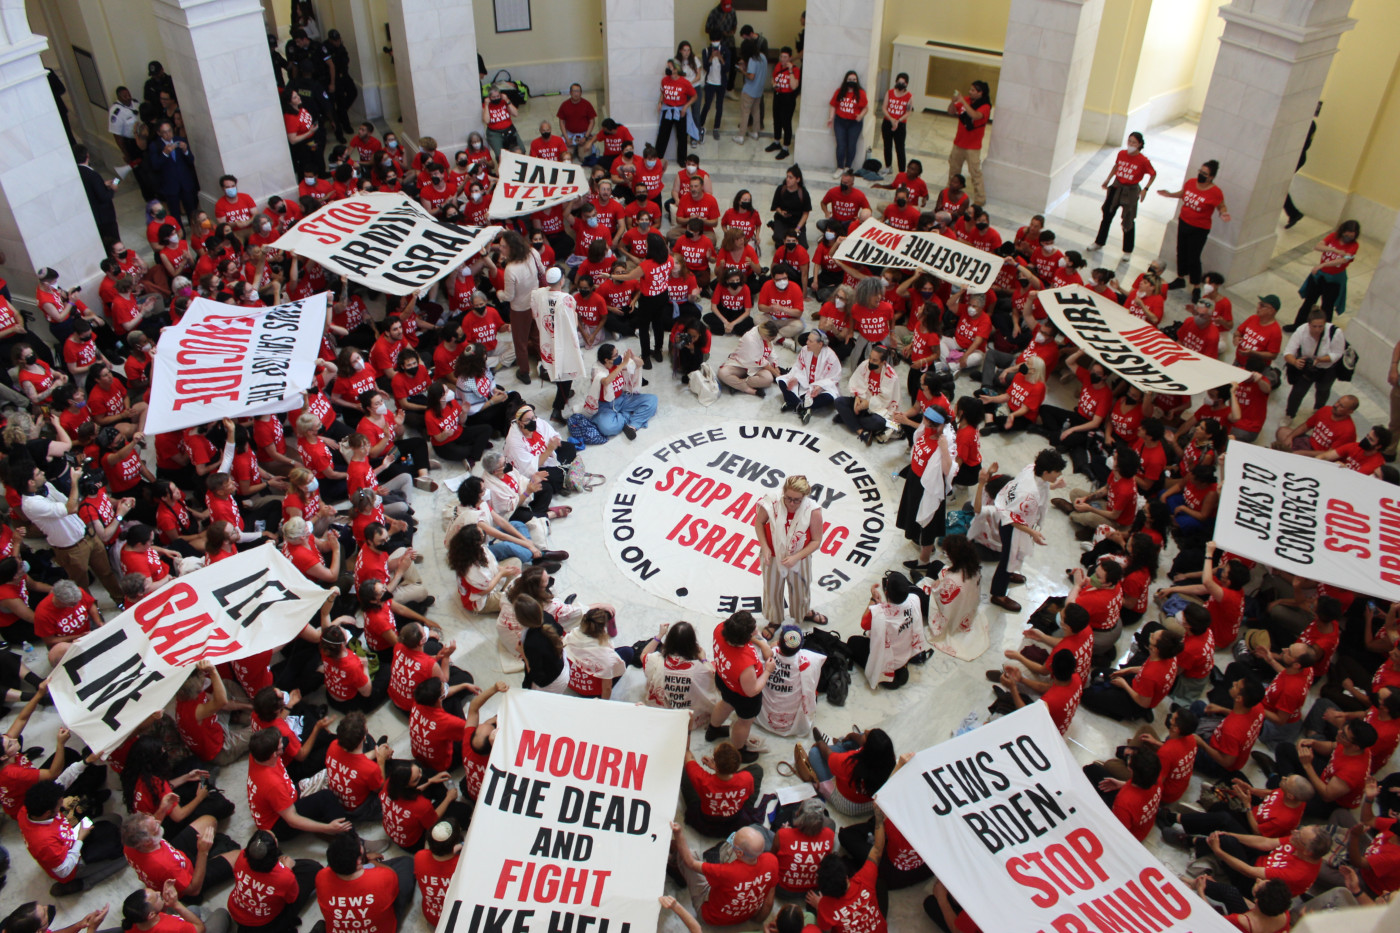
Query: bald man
[738,889]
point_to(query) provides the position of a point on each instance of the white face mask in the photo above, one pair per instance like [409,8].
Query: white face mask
[380,408]
[358,365]
[231,193]
[476,196]
[840,303]
[1207,288]
[780,285]
[973,310]
[314,485]
[831,234]
[1041,338]
[651,163]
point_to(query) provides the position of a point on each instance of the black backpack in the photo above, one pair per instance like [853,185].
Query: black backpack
[835,680]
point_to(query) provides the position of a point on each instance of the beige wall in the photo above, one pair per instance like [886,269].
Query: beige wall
[980,24]
[1170,47]
[1116,55]
[562,32]
[779,24]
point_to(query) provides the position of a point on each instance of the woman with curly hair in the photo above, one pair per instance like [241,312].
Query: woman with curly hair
[148,787]
[480,577]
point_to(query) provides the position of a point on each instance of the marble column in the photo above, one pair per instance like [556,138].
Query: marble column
[435,63]
[44,215]
[1375,327]
[1273,61]
[1029,155]
[842,36]
[638,40]
[216,52]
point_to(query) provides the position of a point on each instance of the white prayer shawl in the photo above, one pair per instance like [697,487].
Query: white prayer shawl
[790,694]
[679,683]
[509,631]
[604,384]
[1025,500]
[896,635]
[822,370]
[792,540]
[753,352]
[985,529]
[505,492]
[557,318]
[958,629]
[886,400]
[590,656]
[524,452]
[936,483]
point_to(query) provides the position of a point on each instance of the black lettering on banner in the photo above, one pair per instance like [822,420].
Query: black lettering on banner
[266,392]
[239,613]
[119,684]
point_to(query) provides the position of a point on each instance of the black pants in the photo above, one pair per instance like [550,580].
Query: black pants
[714,93]
[894,139]
[784,106]
[1190,241]
[663,137]
[654,321]
[378,693]
[1118,196]
[864,421]
[859,647]
[1113,702]
[1001,577]
[1286,762]
[1325,289]
[716,324]
[781,227]
[1222,820]
[1319,380]
[305,871]
[219,870]
[470,445]
[322,806]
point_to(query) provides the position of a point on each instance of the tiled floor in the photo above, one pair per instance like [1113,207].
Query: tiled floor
[942,692]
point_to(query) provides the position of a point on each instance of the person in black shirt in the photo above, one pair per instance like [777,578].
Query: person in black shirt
[791,205]
[543,645]
[340,85]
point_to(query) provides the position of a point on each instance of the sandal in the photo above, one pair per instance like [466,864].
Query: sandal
[560,511]
[815,617]
[820,736]
[769,631]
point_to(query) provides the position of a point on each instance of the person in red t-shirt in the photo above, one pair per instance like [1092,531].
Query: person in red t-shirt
[1061,694]
[1070,430]
[1133,692]
[1295,860]
[1227,750]
[547,146]
[894,124]
[1127,184]
[270,890]
[1200,199]
[973,111]
[1328,278]
[435,865]
[273,798]
[1328,428]
[152,911]
[1134,801]
[1365,456]
[845,203]
[362,893]
[846,901]
[671,108]
[577,119]
[845,114]
[740,891]
[717,790]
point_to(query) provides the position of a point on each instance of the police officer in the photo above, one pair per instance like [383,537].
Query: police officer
[340,85]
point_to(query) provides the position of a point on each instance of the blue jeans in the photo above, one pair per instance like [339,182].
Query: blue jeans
[504,549]
[818,760]
[634,409]
[1184,522]
[847,139]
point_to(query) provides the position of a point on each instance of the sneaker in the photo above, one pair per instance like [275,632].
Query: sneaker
[747,757]
[715,733]
[804,414]
[1265,763]
[630,432]
[425,482]
[1176,283]
[884,170]
[838,173]
[739,139]
[782,154]
[1292,221]
[702,134]
[756,744]
[1286,421]
[753,136]
[773,147]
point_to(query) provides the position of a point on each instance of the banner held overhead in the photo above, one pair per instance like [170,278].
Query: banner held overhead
[571,828]
[1311,517]
[223,361]
[113,678]
[1008,821]
[385,242]
[877,244]
[1131,347]
[528,184]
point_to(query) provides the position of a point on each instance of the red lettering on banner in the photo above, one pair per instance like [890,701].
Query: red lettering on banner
[351,213]
[1348,531]
[549,884]
[563,756]
[1157,345]
[207,388]
[166,636]
[883,238]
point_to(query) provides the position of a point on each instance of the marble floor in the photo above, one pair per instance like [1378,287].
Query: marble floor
[941,693]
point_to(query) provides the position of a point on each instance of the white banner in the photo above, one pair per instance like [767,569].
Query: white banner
[679,519]
[528,184]
[385,241]
[1006,819]
[572,826]
[1311,517]
[223,361]
[876,244]
[116,676]
[1131,347]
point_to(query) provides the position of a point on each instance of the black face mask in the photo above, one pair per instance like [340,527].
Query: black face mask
[545,135]
[669,72]
[734,284]
[874,367]
[462,162]
[1366,443]
[901,201]
[982,225]
[1202,178]
[1095,378]
[746,205]
[845,186]
[792,245]
[627,153]
[528,426]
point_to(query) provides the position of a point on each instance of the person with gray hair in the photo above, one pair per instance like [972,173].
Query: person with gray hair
[751,368]
[202,708]
[800,845]
[518,498]
[737,889]
[301,548]
[812,381]
[197,861]
[67,613]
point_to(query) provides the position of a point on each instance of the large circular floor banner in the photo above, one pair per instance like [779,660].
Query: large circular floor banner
[680,518]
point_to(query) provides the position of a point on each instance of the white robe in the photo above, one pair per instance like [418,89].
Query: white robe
[936,483]
[790,694]
[522,456]
[678,683]
[957,628]
[753,352]
[896,635]
[1026,498]
[557,318]
[800,378]
[794,539]
[601,388]
[884,402]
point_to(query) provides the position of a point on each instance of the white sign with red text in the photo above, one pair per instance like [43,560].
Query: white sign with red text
[1132,347]
[877,244]
[116,676]
[222,361]
[572,825]
[1312,518]
[679,519]
[528,184]
[385,241]
[1006,819]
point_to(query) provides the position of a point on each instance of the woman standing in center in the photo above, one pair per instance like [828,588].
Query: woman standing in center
[847,112]
[522,274]
[789,528]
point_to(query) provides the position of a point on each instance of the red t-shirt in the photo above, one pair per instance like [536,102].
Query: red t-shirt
[1136,808]
[965,138]
[1284,864]
[1353,770]
[721,799]
[1197,655]
[799,855]
[353,776]
[856,911]
[1254,406]
[1254,335]
[845,205]
[1198,205]
[270,791]
[405,821]
[731,662]
[1155,680]
[873,323]
[362,905]
[431,732]
[410,668]
[1329,432]
[737,889]
[434,876]
[1287,692]
[1178,757]
[1062,700]
[204,738]
[1275,817]
[1226,614]
[1104,605]
[259,896]
[15,780]
[1236,734]
[849,105]
[166,863]
[52,620]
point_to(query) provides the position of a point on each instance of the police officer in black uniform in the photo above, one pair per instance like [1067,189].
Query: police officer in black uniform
[340,85]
